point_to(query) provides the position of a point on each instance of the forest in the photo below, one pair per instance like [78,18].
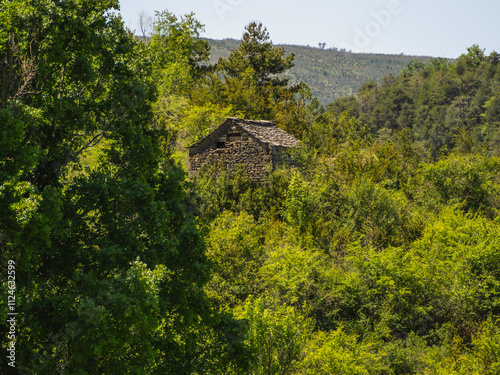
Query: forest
[375,252]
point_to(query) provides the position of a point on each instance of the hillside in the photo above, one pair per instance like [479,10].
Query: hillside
[330,73]
[373,249]
[441,105]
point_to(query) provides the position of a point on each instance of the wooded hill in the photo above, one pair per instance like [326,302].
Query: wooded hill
[368,256]
[330,73]
[441,105]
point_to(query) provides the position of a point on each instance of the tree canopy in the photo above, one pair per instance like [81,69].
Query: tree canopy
[92,213]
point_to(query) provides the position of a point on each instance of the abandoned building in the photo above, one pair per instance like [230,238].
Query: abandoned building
[254,144]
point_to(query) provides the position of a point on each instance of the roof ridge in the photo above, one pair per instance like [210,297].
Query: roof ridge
[265,131]
[251,121]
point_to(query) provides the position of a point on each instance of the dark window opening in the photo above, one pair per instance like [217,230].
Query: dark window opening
[220,145]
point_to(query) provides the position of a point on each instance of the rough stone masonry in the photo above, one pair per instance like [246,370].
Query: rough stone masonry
[253,144]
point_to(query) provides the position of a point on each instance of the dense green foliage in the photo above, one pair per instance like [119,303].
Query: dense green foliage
[110,266]
[386,268]
[443,105]
[381,244]
[376,252]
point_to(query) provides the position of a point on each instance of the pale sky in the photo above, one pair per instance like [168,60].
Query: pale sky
[439,28]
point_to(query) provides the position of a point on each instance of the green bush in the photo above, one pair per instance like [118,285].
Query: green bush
[471,181]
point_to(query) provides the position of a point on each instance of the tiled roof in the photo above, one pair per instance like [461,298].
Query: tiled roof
[267,132]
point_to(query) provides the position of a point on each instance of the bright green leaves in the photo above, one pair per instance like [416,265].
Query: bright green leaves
[200,120]
[338,213]
[111,267]
[235,247]
[177,51]
[102,329]
[381,216]
[466,180]
[250,83]
[299,205]
[178,41]
[255,85]
[85,85]
[23,209]
[330,130]
[134,298]
[117,305]
[486,348]
[364,260]
[385,292]
[373,245]
[459,252]
[177,56]
[277,336]
[195,96]
[217,189]
[337,352]
[296,275]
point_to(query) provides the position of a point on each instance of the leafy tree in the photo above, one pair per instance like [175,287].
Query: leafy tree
[110,267]
[257,53]
[467,180]
[330,130]
[251,83]
[376,253]
[177,49]
[337,352]
[215,190]
[177,54]
[299,205]
[235,246]
[277,336]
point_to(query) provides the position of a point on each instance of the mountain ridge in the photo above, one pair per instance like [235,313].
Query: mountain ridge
[330,73]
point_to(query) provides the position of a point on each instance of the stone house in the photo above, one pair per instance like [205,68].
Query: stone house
[254,144]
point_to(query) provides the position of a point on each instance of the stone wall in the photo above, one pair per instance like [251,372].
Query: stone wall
[235,146]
